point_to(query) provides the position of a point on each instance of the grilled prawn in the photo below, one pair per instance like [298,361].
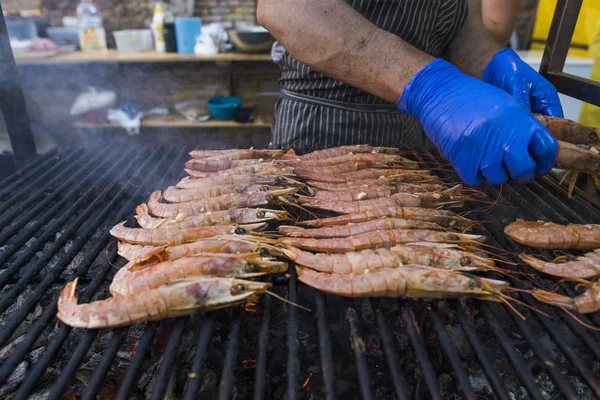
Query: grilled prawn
[236,154]
[233,180]
[130,280]
[220,203]
[245,170]
[379,158]
[570,131]
[587,302]
[444,218]
[172,237]
[351,229]
[174,195]
[216,165]
[401,181]
[369,173]
[576,158]
[425,200]
[374,192]
[339,151]
[548,235]
[347,166]
[442,256]
[413,281]
[370,192]
[170,300]
[229,245]
[586,266]
[234,216]
[379,239]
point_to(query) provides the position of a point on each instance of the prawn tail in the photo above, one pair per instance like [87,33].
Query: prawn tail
[69,293]
[67,304]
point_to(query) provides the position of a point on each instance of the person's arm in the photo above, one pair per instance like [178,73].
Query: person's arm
[332,37]
[475,52]
[500,18]
[483,131]
[473,46]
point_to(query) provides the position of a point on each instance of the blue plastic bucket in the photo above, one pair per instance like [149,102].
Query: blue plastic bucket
[224,107]
[186,32]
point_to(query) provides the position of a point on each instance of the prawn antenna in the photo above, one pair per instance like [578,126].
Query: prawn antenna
[278,297]
[508,301]
[572,315]
[295,182]
[107,257]
[298,206]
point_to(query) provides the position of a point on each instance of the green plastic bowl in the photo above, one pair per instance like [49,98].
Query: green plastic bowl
[225,107]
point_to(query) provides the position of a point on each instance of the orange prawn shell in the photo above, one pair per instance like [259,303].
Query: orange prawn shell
[414,281]
[585,303]
[379,239]
[340,151]
[358,228]
[548,235]
[570,131]
[129,280]
[584,267]
[171,300]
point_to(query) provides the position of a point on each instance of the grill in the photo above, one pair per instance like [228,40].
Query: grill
[55,217]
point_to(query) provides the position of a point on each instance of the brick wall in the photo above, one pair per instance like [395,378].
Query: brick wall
[117,14]
[134,14]
[19,5]
[229,12]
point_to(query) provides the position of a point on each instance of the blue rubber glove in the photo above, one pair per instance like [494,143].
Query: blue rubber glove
[482,130]
[511,74]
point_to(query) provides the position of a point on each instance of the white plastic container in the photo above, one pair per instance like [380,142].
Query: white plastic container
[132,40]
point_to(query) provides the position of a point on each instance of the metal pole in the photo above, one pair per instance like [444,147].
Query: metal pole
[559,36]
[555,55]
[12,102]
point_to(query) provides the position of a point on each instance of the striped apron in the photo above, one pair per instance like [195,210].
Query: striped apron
[315,111]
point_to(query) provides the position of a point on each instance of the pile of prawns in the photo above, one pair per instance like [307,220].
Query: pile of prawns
[578,148]
[200,245]
[577,153]
[395,235]
[583,269]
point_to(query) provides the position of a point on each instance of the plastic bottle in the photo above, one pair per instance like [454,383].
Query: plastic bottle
[92,36]
[170,40]
[158,28]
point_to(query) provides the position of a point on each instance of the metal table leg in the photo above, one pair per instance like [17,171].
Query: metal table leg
[12,102]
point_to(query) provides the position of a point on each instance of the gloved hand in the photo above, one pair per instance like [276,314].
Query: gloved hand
[482,130]
[511,74]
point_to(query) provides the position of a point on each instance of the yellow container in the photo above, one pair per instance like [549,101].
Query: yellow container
[587,25]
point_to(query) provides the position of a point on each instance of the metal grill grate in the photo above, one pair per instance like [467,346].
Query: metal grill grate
[55,218]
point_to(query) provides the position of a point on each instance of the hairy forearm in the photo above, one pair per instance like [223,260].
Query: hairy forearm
[500,18]
[331,37]
[473,46]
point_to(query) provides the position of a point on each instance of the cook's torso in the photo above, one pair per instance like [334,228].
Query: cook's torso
[429,25]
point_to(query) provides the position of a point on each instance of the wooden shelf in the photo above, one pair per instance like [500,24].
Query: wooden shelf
[114,57]
[176,121]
